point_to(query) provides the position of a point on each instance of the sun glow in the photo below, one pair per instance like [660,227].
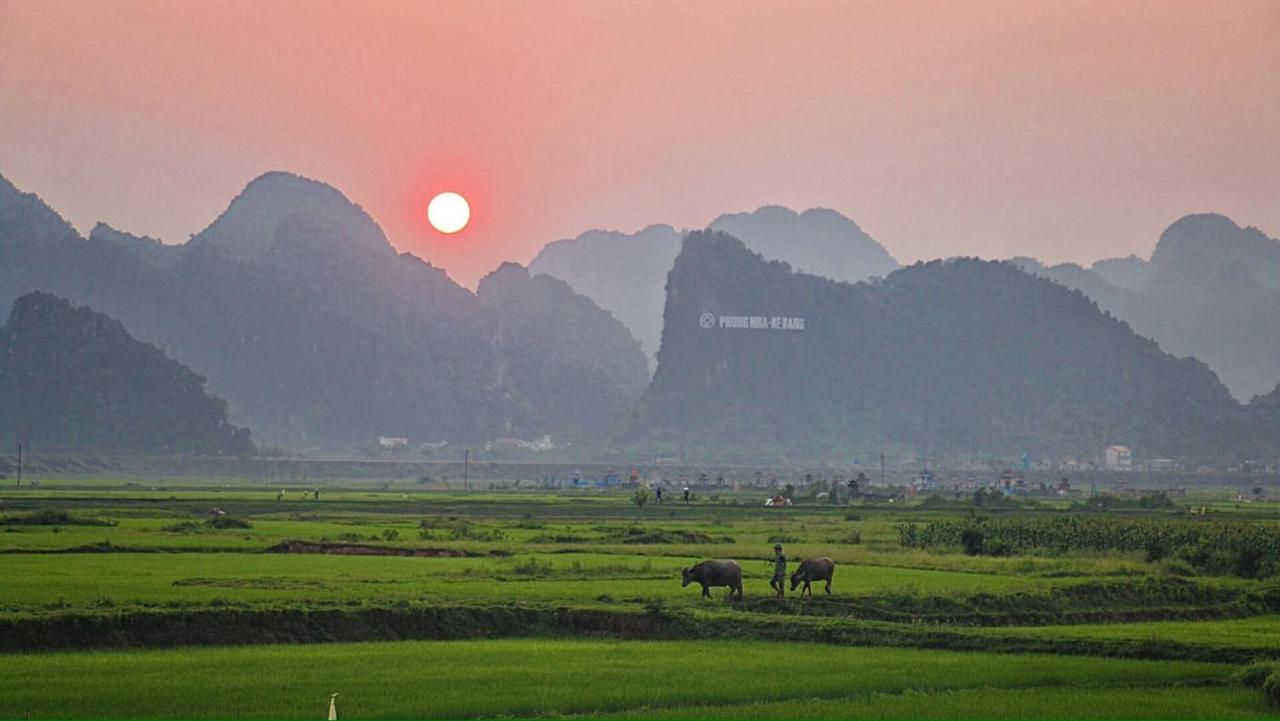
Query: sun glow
[449,212]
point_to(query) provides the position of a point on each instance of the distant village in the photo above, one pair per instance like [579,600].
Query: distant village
[1113,458]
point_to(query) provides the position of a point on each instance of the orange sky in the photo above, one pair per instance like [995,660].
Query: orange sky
[1065,130]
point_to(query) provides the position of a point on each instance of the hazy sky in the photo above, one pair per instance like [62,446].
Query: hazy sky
[1065,130]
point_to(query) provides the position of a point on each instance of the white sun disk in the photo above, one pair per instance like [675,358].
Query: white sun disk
[448,212]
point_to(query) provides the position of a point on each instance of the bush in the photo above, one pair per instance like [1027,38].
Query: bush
[972,539]
[1244,550]
[227,522]
[532,567]
[1256,673]
[1271,689]
[1175,567]
[52,517]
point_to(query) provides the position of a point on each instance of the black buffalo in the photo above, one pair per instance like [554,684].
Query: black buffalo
[714,573]
[813,569]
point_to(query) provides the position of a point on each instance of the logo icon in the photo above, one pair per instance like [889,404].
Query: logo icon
[706,320]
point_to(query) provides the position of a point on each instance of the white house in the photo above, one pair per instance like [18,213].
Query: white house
[1119,458]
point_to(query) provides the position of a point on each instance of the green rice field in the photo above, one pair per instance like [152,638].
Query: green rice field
[130,598]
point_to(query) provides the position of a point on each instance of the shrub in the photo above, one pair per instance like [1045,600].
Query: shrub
[972,539]
[1157,550]
[1239,549]
[52,517]
[1256,673]
[228,522]
[1271,689]
[1175,567]
[532,567]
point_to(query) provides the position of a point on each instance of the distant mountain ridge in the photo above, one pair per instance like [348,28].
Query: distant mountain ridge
[149,249]
[1211,290]
[626,273]
[74,381]
[574,364]
[317,332]
[959,356]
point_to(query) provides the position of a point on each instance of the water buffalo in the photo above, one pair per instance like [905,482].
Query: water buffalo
[813,569]
[714,573]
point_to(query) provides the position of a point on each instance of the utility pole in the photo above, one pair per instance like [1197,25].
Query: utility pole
[466,461]
[19,465]
[881,469]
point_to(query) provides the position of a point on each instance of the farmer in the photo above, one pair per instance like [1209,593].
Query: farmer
[686,495]
[779,570]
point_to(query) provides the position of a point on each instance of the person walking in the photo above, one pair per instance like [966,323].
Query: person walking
[779,570]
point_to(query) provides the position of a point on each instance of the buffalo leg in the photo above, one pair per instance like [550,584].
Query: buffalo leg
[828,585]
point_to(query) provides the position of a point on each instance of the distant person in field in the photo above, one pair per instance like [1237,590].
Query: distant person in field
[779,570]
[686,495]
[658,493]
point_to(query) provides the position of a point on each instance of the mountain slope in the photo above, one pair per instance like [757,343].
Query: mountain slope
[303,316]
[622,273]
[1210,290]
[626,274]
[961,357]
[149,249]
[575,365]
[818,241]
[74,381]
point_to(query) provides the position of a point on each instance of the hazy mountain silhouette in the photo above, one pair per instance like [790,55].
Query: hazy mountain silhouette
[626,274]
[818,241]
[623,273]
[303,316]
[576,366]
[1211,290]
[959,356]
[74,381]
[149,249]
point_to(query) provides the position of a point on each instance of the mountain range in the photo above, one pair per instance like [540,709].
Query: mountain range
[318,332]
[961,356]
[1211,289]
[626,274]
[74,380]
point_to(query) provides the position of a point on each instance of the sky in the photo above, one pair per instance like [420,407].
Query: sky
[1069,130]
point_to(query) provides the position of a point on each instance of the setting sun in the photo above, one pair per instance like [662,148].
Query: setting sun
[449,212]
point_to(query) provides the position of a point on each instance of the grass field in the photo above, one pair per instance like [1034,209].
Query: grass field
[521,677]
[908,633]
